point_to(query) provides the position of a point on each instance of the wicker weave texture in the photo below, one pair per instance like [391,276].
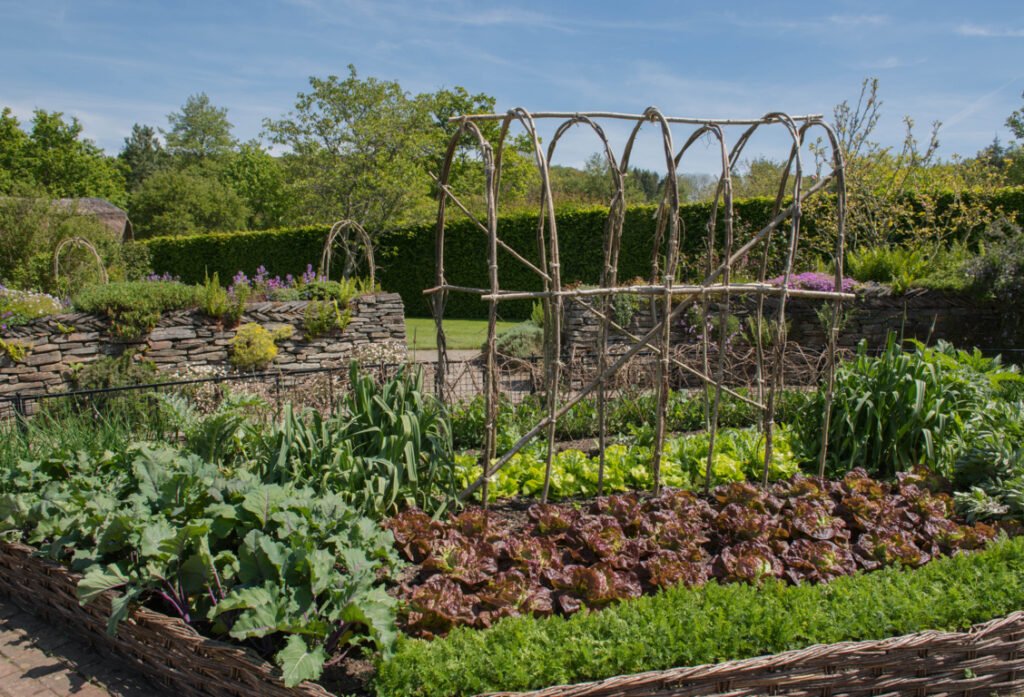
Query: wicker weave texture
[166,649]
[988,659]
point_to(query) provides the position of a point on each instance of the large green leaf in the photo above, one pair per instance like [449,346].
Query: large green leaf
[298,662]
[99,580]
[263,501]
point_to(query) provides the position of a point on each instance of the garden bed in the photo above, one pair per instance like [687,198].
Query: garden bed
[165,648]
[987,659]
[553,559]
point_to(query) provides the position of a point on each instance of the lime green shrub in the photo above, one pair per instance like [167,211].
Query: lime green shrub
[16,351]
[254,348]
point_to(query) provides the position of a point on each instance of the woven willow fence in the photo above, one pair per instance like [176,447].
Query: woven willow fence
[669,294]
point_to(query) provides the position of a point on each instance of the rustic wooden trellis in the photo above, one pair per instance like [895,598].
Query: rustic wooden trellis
[669,294]
[351,236]
[82,243]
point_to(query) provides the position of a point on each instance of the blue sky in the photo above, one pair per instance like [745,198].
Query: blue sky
[115,63]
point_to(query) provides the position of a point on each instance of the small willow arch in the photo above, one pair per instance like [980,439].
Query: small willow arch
[82,243]
[669,295]
[344,229]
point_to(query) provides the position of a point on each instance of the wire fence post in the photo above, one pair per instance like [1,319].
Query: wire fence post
[21,413]
[277,396]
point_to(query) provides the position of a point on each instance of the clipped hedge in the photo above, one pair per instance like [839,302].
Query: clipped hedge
[406,256]
[711,624]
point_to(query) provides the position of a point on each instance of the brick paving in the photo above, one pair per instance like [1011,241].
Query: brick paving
[40,659]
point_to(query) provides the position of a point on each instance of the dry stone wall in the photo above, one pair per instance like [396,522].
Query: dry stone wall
[187,338]
[922,314]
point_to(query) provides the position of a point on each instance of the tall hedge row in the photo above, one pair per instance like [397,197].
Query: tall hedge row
[406,257]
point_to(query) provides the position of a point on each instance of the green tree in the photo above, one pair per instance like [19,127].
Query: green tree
[13,146]
[259,178]
[758,177]
[593,184]
[142,155]
[200,131]
[519,176]
[903,195]
[1012,164]
[648,183]
[358,149]
[54,156]
[31,227]
[1015,122]
[177,201]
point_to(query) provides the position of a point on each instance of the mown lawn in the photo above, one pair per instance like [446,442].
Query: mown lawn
[461,333]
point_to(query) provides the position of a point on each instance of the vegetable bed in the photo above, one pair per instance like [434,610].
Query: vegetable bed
[556,559]
[165,648]
[725,624]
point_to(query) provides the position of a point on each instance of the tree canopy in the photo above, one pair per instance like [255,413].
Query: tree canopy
[54,157]
[199,130]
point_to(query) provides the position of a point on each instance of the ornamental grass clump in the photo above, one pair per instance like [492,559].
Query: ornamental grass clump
[904,408]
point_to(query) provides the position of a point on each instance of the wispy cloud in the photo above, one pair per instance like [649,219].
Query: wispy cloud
[986,32]
[890,63]
[808,24]
[858,20]
[975,105]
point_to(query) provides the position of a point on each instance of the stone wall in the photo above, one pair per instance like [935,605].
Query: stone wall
[922,314]
[187,338]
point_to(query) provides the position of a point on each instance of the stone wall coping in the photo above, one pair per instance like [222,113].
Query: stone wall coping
[90,320]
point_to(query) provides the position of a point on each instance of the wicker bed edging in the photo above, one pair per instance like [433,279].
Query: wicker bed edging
[164,648]
[987,659]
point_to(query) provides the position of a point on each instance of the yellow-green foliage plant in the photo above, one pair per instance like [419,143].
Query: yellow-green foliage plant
[16,351]
[254,347]
[324,316]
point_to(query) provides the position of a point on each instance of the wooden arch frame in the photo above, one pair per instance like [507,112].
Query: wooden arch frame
[84,244]
[674,296]
[344,229]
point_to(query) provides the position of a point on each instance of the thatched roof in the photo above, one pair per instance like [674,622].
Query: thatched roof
[110,215]
[114,218]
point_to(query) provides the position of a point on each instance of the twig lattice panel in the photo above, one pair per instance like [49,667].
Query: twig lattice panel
[667,282]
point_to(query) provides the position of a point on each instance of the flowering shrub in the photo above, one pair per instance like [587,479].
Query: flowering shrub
[814,280]
[18,307]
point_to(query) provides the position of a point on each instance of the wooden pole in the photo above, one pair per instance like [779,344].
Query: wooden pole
[675,298]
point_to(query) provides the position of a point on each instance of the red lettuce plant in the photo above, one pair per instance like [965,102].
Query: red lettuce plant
[551,519]
[437,606]
[415,533]
[814,520]
[752,562]
[666,568]
[479,567]
[817,560]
